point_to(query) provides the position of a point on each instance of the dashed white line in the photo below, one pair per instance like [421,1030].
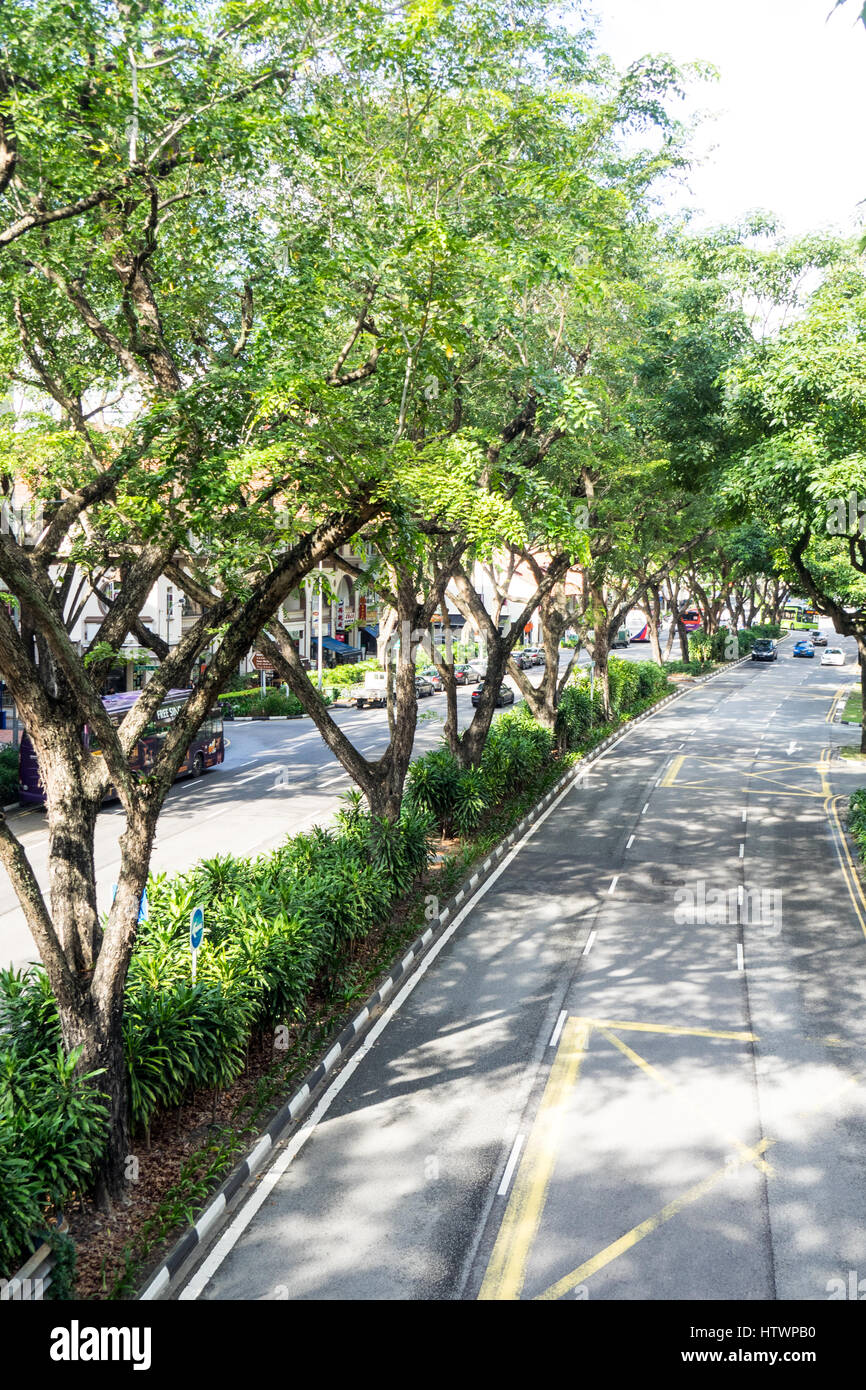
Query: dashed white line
[645,809]
[613,883]
[741,965]
[511,1165]
[745,815]
[554,1037]
[588,947]
[629,842]
[742,850]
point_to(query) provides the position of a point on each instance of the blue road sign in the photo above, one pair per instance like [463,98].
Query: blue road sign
[196,927]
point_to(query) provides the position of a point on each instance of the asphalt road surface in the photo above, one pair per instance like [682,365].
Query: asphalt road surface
[633,1070]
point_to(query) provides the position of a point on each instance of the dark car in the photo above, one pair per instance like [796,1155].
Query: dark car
[505,696]
[423,687]
[804,648]
[817,638]
[765,650]
[463,674]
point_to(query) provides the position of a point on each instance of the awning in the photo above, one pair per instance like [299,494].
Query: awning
[372,629]
[330,644]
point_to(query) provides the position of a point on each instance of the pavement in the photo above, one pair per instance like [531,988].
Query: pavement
[635,1069]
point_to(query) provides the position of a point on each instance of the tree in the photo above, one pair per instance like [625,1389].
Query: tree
[800,406]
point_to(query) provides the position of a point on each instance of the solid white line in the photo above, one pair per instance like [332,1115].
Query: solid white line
[511,1165]
[588,947]
[613,883]
[629,842]
[554,1037]
[742,850]
[741,965]
[271,1177]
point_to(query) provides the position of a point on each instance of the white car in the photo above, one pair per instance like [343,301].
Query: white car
[833,656]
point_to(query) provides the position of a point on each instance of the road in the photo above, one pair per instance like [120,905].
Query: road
[278,778]
[633,1070]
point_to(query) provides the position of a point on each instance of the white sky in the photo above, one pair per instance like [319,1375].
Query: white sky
[789,108]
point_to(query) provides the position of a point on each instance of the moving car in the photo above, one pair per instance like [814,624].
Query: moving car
[803,648]
[423,687]
[833,656]
[505,696]
[765,650]
[817,638]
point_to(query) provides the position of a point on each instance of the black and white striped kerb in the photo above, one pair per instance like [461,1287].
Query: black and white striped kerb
[301,1101]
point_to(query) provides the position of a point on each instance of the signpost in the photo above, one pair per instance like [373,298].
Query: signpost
[262,664]
[196,932]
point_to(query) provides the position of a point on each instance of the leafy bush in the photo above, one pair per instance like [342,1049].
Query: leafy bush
[773,630]
[624,680]
[857,819]
[688,668]
[8,774]
[349,673]
[52,1122]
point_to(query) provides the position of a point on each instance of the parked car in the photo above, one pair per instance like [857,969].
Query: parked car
[463,674]
[803,648]
[429,673]
[540,659]
[765,650]
[505,696]
[833,656]
[478,669]
[817,638]
[423,687]
[523,659]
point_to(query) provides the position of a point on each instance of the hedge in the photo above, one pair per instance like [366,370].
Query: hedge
[272,926]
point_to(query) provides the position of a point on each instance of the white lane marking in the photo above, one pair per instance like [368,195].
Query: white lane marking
[742,850]
[511,1165]
[629,842]
[588,947]
[741,964]
[266,1184]
[554,1037]
[745,815]
[740,893]
[613,883]
[645,809]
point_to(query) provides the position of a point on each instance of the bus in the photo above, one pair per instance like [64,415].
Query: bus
[798,613]
[690,619]
[206,749]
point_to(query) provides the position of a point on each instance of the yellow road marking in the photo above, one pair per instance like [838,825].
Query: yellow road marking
[506,1272]
[659,1077]
[671,775]
[646,1228]
[846,863]
[843,690]
[667,1028]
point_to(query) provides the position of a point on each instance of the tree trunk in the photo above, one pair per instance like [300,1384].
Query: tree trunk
[654,612]
[861,652]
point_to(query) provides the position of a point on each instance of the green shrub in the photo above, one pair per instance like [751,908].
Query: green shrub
[52,1130]
[8,774]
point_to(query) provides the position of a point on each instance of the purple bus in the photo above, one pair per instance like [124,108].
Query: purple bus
[206,750]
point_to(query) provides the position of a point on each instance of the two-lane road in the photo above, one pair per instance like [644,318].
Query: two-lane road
[633,1069]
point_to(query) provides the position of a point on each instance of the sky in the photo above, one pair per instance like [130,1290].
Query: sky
[786,129]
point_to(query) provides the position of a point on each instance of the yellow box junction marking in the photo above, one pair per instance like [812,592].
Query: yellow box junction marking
[671,775]
[507,1268]
[652,1223]
[506,1272]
